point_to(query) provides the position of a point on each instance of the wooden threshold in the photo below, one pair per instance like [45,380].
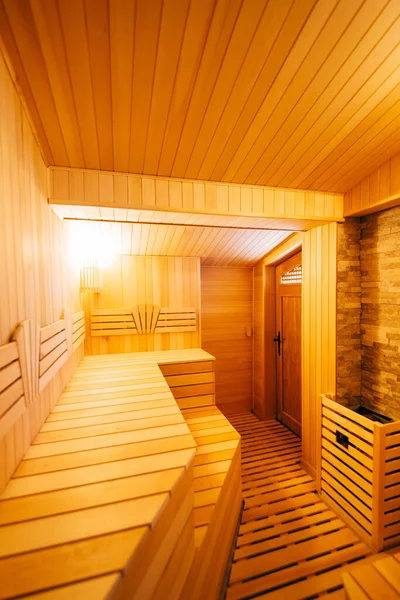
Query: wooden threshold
[290,544]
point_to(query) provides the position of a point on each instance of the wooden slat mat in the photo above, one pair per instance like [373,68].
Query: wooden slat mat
[290,544]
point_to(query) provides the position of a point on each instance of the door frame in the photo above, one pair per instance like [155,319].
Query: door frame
[283,417]
[289,248]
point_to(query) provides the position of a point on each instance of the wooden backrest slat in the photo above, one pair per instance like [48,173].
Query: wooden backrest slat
[52,343]
[77,334]
[8,353]
[51,358]
[142,319]
[78,316]
[12,401]
[11,395]
[78,324]
[51,330]
[9,374]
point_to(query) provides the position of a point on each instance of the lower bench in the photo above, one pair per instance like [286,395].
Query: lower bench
[217,500]
[120,497]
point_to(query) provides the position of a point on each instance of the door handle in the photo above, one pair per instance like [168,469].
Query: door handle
[278,340]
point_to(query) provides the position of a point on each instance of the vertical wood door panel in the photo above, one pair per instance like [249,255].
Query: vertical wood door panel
[288,327]
[291,371]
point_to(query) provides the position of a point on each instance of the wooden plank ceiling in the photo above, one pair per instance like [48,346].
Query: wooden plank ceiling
[215,246]
[291,93]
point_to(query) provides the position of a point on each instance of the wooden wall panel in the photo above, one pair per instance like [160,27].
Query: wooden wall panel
[95,188]
[318,331]
[226,310]
[169,282]
[34,281]
[264,349]
[318,334]
[377,191]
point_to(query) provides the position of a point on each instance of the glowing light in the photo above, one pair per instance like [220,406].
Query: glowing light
[90,244]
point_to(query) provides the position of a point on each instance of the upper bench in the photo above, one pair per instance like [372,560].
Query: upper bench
[103,500]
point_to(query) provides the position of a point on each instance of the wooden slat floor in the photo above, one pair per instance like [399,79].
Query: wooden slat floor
[290,545]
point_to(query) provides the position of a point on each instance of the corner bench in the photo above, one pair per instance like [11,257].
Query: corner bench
[104,502]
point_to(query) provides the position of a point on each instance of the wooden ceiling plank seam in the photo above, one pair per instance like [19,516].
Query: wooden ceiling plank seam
[247,247]
[373,160]
[352,64]
[238,257]
[14,65]
[173,24]
[226,251]
[122,23]
[341,48]
[202,241]
[161,233]
[193,244]
[134,243]
[151,239]
[167,240]
[240,241]
[206,240]
[325,24]
[255,112]
[221,30]
[147,34]
[73,31]
[388,121]
[271,22]
[29,50]
[343,100]
[221,237]
[181,246]
[326,170]
[195,36]
[239,44]
[144,238]
[263,249]
[226,244]
[379,91]
[126,236]
[48,25]
[98,35]
[176,238]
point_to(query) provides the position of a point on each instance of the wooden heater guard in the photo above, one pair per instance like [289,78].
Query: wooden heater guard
[360,472]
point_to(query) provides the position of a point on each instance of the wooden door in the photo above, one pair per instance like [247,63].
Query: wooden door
[288,347]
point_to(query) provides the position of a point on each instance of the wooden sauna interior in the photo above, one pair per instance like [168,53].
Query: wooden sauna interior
[199,293]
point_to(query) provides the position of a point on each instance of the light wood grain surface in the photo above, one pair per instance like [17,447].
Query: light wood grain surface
[109,471]
[35,281]
[292,93]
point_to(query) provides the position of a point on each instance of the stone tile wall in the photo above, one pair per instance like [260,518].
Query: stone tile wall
[348,390]
[380,314]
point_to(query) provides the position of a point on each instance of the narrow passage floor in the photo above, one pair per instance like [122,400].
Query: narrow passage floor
[290,546]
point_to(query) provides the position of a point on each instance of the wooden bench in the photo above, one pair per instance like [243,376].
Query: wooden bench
[217,499]
[104,504]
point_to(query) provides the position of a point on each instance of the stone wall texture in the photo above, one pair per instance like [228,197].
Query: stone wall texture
[368,312]
[348,387]
[380,311]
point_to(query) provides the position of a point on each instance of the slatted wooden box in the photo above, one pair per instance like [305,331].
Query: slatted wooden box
[360,472]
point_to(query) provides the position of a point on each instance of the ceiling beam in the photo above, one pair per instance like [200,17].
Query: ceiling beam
[285,208]
[377,191]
